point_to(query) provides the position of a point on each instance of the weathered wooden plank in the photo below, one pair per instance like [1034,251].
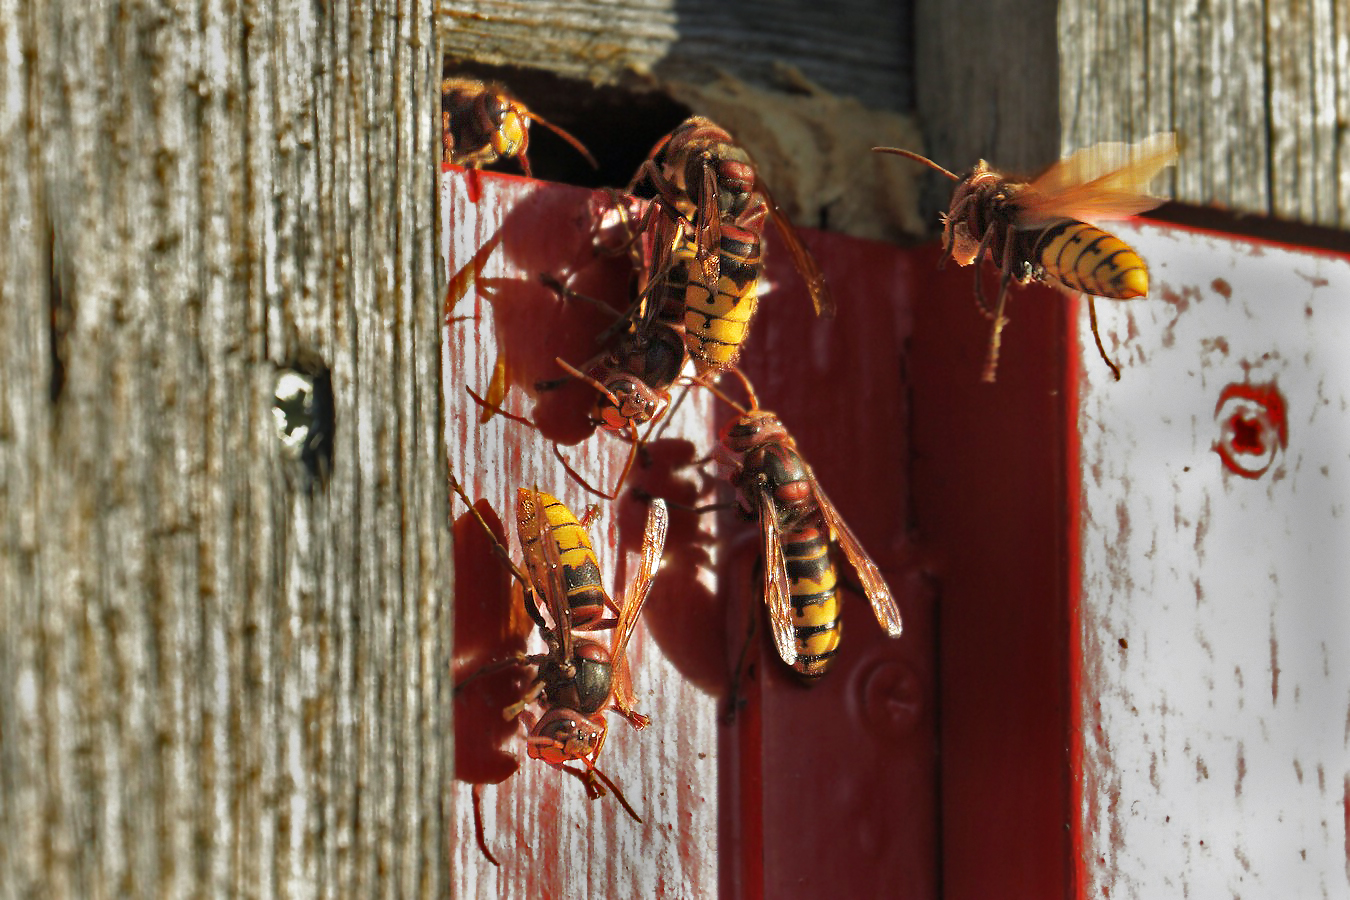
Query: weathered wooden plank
[853,48]
[1256,91]
[1304,83]
[986,85]
[1214,685]
[222,674]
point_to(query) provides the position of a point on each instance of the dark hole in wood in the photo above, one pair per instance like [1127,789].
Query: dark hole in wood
[619,125]
[305,418]
[61,313]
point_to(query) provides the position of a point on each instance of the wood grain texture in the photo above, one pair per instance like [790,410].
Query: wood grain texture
[807,89]
[1259,92]
[986,87]
[218,677]
[987,82]
[852,47]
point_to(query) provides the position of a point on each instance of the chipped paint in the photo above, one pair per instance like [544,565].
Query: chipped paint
[1214,477]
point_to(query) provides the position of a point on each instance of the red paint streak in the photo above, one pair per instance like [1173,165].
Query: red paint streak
[1078,687]
[1253,427]
[1345,804]
[1274,664]
[1213,345]
[473,184]
[683,615]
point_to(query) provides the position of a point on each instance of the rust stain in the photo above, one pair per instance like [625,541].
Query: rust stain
[1203,640]
[1201,529]
[1222,288]
[1298,771]
[1274,664]
[1180,301]
[1215,345]
[1241,769]
[1123,524]
[1201,770]
[1345,806]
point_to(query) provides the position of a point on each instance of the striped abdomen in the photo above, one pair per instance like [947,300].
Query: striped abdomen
[1084,258]
[717,322]
[812,576]
[812,581]
[586,596]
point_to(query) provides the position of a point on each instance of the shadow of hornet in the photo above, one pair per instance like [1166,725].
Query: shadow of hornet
[490,625]
[546,232]
[683,615]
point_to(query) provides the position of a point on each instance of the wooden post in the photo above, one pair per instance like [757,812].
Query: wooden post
[1256,90]
[222,671]
[987,84]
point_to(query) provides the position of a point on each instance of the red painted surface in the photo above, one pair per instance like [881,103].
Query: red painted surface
[933,765]
[846,768]
[1253,427]
[991,502]
[549,839]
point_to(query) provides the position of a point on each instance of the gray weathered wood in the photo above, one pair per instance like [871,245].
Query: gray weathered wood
[849,47]
[806,88]
[217,677]
[1259,92]
[987,83]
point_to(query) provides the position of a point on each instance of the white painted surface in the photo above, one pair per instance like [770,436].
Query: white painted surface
[1216,608]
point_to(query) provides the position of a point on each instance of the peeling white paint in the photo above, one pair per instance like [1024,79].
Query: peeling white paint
[1216,607]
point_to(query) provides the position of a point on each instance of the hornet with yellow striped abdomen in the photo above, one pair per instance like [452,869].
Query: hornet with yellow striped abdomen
[1036,230]
[707,225]
[799,525]
[548,530]
[577,679]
